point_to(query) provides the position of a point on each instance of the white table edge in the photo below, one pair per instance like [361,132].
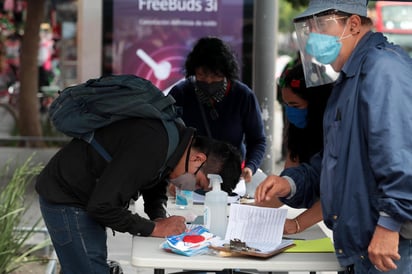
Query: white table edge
[160,259]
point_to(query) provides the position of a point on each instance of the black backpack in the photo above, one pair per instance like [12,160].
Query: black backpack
[79,110]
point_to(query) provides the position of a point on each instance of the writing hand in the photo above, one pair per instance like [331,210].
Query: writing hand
[272,186]
[172,190]
[383,249]
[173,225]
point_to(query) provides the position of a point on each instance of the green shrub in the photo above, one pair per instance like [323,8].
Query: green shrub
[14,251]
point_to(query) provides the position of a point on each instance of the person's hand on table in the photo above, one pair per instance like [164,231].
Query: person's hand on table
[383,249]
[173,225]
[291,227]
[273,186]
[273,202]
[247,174]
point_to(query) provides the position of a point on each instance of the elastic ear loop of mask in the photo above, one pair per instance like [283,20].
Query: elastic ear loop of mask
[187,157]
[207,157]
[188,154]
[198,169]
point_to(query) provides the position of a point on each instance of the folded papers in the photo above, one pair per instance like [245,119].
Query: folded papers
[192,242]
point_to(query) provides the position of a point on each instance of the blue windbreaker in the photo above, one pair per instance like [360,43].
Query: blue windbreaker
[365,171]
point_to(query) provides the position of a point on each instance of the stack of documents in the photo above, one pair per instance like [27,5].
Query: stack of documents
[260,229]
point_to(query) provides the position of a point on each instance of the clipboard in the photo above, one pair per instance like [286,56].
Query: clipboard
[239,248]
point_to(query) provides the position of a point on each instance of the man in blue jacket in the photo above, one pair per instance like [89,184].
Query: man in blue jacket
[364,175]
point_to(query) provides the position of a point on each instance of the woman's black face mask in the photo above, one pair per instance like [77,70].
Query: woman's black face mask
[211,88]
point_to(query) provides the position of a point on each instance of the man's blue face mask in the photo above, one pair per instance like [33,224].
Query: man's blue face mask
[324,48]
[297,116]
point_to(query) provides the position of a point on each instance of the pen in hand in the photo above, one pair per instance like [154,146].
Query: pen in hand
[167,212]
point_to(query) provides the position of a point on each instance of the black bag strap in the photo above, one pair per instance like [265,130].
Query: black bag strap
[205,122]
[98,147]
[203,113]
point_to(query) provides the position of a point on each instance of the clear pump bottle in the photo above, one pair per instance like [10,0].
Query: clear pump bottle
[215,210]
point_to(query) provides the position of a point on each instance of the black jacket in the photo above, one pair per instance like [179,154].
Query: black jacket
[78,176]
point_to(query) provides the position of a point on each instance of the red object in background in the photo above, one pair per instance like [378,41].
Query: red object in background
[14,5]
[393,17]
[8,5]
[55,26]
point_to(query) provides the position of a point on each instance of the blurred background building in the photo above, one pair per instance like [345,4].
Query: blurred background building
[83,39]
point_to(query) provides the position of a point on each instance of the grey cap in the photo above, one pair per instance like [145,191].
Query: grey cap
[358,7]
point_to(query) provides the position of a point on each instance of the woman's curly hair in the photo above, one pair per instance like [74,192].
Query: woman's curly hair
[215,56]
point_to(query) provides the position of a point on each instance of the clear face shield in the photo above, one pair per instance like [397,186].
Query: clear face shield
[318,48]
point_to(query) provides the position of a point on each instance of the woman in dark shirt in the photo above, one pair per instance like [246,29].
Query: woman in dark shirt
[218,105]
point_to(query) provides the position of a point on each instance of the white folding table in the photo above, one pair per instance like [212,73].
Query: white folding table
[146,253]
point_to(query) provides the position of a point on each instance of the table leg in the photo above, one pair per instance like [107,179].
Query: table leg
[159,271]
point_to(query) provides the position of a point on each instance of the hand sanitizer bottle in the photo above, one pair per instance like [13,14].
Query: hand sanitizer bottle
[215,217]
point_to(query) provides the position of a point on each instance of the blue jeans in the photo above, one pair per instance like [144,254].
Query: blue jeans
[404,264]
[79,241]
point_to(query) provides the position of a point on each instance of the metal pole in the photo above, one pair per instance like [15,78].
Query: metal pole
[264,85]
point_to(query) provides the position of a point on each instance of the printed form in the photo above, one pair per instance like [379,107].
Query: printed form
[258,227]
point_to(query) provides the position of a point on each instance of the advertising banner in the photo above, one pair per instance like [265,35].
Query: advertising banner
[151,38]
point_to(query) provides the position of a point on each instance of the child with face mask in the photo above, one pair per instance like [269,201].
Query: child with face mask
[304,109]
[303,135]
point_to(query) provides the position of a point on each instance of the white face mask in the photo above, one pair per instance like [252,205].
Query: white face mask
[186,181]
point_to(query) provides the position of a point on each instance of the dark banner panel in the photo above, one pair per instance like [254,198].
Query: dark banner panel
[151,38]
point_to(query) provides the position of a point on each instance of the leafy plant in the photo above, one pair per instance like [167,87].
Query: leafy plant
[14,251]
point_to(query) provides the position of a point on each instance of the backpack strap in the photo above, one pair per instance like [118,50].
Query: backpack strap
[98,147]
